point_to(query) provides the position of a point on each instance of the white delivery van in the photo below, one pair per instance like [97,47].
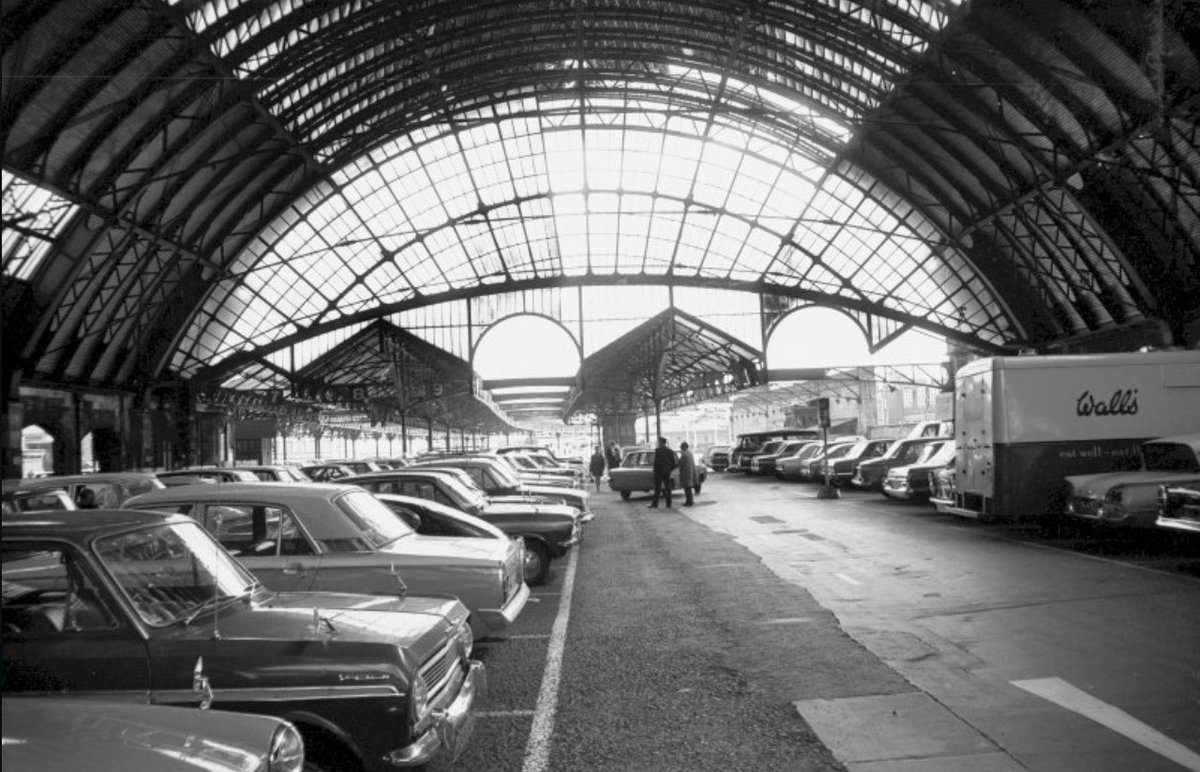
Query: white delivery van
[1022,424]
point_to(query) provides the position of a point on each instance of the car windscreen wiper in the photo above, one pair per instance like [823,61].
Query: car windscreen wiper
[216,602]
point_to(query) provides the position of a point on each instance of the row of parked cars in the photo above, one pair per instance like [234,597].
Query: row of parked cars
[345,613]
[1162,491]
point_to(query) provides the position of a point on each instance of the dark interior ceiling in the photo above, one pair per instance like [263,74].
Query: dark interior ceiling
[1039,159]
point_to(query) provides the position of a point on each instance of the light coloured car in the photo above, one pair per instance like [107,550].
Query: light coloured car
[68,734]
[217,474]
[789,468]
[914,482]
[316,536]
[98,490]
[20,499]
[549,530]
[636,473]
[1130,498]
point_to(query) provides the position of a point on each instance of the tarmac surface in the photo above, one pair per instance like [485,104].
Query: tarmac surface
[766,629]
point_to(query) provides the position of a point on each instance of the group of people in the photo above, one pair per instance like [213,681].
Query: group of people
[665,462]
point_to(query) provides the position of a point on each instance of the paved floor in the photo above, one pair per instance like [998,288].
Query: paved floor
[1017,657]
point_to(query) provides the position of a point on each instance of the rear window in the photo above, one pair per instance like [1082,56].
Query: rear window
[1169,457]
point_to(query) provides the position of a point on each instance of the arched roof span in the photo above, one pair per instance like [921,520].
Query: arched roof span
[1017,173]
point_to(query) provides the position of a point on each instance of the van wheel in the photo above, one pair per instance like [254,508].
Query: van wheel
[626,494]
[537,563]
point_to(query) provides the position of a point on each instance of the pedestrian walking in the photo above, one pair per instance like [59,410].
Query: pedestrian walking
[687,474]
[664,462]
[597,466]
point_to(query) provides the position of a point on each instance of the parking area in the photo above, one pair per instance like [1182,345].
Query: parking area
[766,629]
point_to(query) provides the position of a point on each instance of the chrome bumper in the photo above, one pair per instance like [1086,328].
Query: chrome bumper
[452,725]
[488,622]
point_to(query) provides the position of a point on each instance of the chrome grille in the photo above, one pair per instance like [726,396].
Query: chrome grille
[438,669]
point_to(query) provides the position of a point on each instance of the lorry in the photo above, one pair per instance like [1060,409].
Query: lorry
[1023,424]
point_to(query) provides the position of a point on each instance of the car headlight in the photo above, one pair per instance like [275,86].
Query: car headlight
[287,750]
[418,699]
[465,640]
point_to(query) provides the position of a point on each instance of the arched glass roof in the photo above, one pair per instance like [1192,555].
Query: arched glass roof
[533,189]
[203,187]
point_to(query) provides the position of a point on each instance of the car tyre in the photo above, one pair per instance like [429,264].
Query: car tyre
[626,494]
[537,563]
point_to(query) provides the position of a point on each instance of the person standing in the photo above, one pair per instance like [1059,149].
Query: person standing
[664,462]
[614,455]
[597,466]
[687,473]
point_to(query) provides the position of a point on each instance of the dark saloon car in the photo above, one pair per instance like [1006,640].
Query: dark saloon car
[870,474]
[549,530]
[149,606]
[842,469]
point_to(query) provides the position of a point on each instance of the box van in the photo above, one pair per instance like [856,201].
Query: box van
[1023,424]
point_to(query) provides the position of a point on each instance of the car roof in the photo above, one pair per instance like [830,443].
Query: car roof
[81,525]
[67,479]
[408,471]
[1191,440]
[244,491]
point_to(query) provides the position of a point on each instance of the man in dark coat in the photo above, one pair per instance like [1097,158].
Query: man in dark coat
[664,462]
[597,467]
[614,455]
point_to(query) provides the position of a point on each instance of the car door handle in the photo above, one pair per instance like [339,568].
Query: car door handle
[293,568]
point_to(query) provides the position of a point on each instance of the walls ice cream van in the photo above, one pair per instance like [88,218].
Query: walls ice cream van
[1022,424]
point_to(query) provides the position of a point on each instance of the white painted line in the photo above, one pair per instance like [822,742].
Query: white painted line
[1064,694]
[529,635]
[537,749]
[848,580]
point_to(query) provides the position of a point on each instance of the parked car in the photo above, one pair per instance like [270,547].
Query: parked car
[358,466]
[766,461]
[912,482]
[871,474]
[549,530]
[217,474]
[501,484]
[68,734]
[326,472]
[102,489]
[430,518]
[19,499]
[278,473]
[147,605]
[1179,507]
[840,470]
[315,536]
[636,473]
[716,457]
[813,470]
[1130,498]
[541,463]
[789,468]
